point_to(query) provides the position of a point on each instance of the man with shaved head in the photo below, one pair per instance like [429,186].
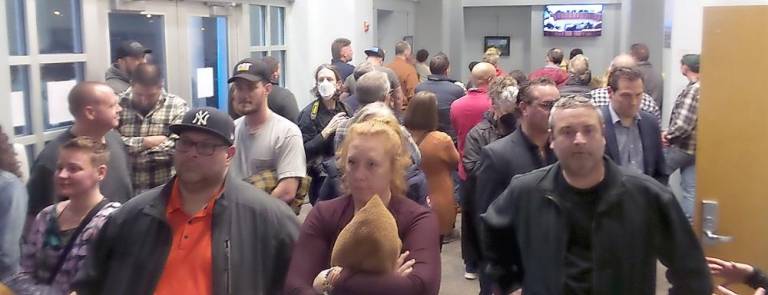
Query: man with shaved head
[552,70]
[468,110]
[601,96]
[652,80]
[95,108]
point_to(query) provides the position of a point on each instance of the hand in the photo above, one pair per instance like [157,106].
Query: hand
[153,141]
[732,272]
[402,267]
[331,275]
[724,291]
[333,124]
[664,139]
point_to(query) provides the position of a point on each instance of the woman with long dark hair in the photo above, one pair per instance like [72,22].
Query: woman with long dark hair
[318,122]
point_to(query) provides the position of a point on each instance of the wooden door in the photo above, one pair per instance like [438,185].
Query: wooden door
[732,153]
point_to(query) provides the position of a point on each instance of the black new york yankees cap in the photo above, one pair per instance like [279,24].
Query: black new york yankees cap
[207,119]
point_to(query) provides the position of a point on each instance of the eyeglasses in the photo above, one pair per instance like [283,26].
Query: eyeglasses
[203,148]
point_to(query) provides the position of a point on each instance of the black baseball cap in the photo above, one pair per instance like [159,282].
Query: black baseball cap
[375,51]
[207,119]
[253,70]
[131,48]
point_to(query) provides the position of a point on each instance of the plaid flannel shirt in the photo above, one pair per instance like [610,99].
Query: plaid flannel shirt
[600,97]
[154,166]
[682,123]
[266,180]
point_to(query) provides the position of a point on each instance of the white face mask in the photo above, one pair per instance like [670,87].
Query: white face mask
[327,89]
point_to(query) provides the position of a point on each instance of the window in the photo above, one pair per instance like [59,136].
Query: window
[46,59]
[20,100]
[17,32]
[147,29]
[56,81]
[268,34]
[58,26]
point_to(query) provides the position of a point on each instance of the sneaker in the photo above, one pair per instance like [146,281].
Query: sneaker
[470,272]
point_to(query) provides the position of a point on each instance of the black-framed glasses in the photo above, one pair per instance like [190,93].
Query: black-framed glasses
[203,148]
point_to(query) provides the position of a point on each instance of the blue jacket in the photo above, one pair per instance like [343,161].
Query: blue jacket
[446,92]
[650,135]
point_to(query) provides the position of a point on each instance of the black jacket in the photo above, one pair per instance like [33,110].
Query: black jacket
[447,92]
[252,240]
[501,160]
[282,102]
[650,135]
[638,221]
[479,136]
[312,120]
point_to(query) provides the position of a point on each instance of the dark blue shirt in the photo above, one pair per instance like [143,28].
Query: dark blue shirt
[345,69]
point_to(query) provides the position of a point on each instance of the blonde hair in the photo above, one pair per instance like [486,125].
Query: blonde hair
[492,55]
[387,128]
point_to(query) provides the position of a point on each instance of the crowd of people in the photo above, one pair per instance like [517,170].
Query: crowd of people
[560,177]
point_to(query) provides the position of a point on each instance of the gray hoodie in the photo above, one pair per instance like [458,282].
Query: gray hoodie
[117,79]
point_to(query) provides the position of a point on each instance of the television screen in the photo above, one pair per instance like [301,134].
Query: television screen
[573,20]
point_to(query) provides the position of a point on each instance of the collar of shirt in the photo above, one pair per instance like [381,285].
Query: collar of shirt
[477,90]
[175,203]
[615,117]
[549,156]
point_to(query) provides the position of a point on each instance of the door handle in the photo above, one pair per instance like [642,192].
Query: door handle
[709,216]
[713,236]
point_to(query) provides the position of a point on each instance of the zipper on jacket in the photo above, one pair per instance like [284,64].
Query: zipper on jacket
[227,282]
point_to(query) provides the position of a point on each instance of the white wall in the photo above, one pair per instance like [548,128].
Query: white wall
[513,21]
[312,25]
[428,26]
[685,17]
[528,45]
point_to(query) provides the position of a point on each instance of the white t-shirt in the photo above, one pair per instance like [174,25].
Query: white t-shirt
[276,145]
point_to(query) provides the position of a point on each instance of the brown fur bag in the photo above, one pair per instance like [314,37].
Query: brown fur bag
[369,243]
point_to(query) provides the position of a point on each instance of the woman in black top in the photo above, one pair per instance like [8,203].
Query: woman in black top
[318,122]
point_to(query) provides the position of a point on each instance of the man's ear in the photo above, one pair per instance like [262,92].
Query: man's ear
[230,152]
[89,112]
[101,172]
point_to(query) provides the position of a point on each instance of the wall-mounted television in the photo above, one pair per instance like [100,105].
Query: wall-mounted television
[573,20]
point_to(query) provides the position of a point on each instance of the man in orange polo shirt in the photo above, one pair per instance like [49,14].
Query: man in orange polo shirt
[203,232]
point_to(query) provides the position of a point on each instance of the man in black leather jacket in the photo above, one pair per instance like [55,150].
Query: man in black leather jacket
[585,225]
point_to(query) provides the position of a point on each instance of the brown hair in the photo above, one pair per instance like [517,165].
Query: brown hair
[337,45]
[525,94]
[8,160]
[631,74]
[98,150]
[421,113]
[336,74]
[388,128]
[147,75]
